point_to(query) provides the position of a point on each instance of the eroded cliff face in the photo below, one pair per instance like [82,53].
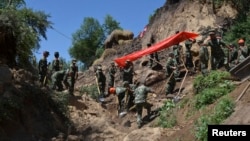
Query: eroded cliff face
[187,15]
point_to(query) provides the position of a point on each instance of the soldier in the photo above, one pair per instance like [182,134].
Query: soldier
[177,51]
[72,77]
[217,54]
[112,71]
[204,57]
[140,94]
[171,72]
[101,80]
[233,56]
[153,56]
[123,95]
[57,78]
[43,68]
[243,51]
[128,72]
[56,64]
[189,59]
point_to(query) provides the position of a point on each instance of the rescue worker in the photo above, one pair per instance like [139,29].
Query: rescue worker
[243,51]
[203,57]
[171,73]
[233,56]
[43,68]
[153,57]
[124,94]
[128,72]
[56,64]
[101,80]
[217,54]
[57,79]
[189,59]
[72,77]
[140,94]
[177,51]
[112,71]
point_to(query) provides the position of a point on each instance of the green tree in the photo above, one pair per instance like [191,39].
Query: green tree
[86,40]
[21,30]
[110,24]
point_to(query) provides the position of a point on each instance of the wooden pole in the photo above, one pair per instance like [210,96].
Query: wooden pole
[183,79]
[243,92]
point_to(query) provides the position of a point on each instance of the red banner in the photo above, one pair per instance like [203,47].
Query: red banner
[175,39]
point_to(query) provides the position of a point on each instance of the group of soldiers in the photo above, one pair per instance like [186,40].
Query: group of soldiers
[61,79]
[221,55]
[131,95]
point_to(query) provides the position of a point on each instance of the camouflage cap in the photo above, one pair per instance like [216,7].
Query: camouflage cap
[211,33]
[73,60]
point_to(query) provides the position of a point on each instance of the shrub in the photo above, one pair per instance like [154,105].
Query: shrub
[222,111]
[167,118]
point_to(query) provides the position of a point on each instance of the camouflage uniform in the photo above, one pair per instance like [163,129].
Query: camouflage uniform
[72,77]
[56,64]
[57,79]
[153,56]
[128,72]
[189,59]
[204,58]
[242,53]
[141,93]
[233,56]
[101,79]
[217,54]
[172,73]
[124,93]
[176,51]
[43,68]
[112,71]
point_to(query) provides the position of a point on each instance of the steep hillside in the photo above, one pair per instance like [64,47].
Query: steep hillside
[87,120]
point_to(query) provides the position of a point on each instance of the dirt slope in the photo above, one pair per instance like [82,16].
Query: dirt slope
[92,121]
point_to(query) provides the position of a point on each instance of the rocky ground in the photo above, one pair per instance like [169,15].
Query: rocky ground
[89,120]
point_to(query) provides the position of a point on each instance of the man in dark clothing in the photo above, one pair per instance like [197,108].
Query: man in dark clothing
[101,81]
[57,79]
[172,73]
[204,57]
[112,71]
[128,72]
[217,54]
[56,64]
[189,59]
[153,57]
[140,94]
[43,68]
[72,77]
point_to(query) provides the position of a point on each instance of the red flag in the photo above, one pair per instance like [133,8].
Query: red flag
[175,39]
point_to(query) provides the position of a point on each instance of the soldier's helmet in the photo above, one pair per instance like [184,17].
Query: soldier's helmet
[56,54]
[211,33]
[46,53]
[125,84]
[99,67]
[171,54]
[199,41]
[74,60]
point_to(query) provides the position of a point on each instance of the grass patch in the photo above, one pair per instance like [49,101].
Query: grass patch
[91,90]
[167,118]
[211,87]
[222,111]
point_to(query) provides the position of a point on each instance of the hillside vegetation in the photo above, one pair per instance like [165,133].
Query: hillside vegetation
[31,113]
